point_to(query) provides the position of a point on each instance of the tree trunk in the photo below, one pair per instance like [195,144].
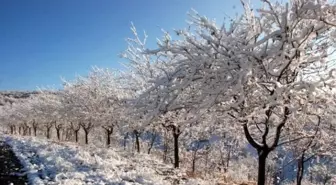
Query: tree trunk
[300,170]
[125,140]
[228,160]
[325,180]
[109,132]
[194,161]
[137,142]
[75,129]
[76,135]
[11,130]
[68,134]
[87,128]
[25,130]
[263,153]
[311,177]
[35,130]
[152,143]
[49,126]
[48,132]
[58,128]
[194,156]
[108,139]
[176,150]
[34,126]
[58,133]
[262,148]
[86,132]
[206,162]
[165,147]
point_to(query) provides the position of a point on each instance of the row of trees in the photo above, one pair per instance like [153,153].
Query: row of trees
[213,93]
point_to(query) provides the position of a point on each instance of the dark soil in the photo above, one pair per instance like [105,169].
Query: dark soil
[10,167]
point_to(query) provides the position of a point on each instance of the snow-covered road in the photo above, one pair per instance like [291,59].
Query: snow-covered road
[10,167]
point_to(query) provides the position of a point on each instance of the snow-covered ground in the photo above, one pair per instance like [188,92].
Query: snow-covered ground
[49,162]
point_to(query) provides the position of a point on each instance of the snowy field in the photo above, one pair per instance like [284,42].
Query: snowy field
[49,162]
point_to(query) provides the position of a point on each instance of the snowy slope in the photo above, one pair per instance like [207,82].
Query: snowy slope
[49,162]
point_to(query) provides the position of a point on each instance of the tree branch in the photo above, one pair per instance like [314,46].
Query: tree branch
[250,139]
[279,128]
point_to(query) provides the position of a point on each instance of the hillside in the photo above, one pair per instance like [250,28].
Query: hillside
[12,96]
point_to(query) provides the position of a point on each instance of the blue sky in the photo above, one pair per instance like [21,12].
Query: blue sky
[43,40]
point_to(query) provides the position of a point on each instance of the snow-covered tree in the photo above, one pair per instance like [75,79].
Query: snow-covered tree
[95,101]
[261,70]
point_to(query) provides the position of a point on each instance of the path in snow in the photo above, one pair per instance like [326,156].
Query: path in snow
[10,167]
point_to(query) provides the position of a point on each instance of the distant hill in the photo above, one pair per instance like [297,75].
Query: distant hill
[12,96]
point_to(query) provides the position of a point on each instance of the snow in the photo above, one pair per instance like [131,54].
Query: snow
[48,162]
